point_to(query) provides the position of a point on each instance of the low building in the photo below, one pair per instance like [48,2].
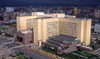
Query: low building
[96,33]
[4,52]
[24,37]
[63,43]
[97,28]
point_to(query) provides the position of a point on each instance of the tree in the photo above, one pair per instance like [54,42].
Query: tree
[21,53]
[3,57]
[21,57]
[31,57]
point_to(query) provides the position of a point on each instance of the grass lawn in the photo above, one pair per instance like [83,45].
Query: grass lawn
[86,54]
[21,57]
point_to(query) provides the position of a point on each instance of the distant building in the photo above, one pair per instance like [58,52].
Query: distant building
[96,33]
[77,11]
[11,15]
[1,16]
[9,9]
[5,52]
[5,16]
[97,28]
[55,25]
[97,14]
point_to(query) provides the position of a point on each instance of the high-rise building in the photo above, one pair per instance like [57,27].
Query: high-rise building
[57,24]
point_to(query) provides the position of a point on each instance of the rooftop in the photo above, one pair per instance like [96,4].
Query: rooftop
[74,18]
[61,40]
[64,38]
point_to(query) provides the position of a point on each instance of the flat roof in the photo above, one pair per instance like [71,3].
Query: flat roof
[56,41]
[64,38]
[77,18]
[47,43]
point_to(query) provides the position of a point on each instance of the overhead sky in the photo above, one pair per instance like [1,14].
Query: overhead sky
[32,2]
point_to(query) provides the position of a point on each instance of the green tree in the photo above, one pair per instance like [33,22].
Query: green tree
[21,57]
[31,57]
[3,57]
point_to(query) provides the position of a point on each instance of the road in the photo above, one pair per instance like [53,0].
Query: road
[30,53]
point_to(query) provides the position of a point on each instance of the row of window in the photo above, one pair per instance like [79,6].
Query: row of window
[51,29]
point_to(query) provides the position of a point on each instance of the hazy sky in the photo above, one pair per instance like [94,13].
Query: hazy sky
[78,2]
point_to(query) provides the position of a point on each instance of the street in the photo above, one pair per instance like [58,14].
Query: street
[30,53]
